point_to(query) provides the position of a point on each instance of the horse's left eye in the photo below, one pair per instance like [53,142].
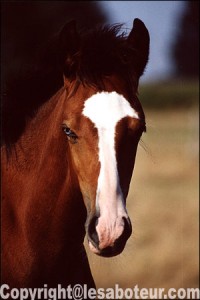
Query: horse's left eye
[70,134]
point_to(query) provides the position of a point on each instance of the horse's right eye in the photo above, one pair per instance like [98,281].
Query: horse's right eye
[72,137]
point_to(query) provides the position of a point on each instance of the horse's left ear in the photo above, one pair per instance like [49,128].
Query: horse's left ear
[69,44]
[139,40]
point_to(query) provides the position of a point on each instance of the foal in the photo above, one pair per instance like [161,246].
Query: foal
[69,172]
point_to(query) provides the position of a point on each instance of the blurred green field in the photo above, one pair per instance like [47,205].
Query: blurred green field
[163,204]
[175,93]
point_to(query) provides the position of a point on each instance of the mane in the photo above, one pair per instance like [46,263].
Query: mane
[103,52]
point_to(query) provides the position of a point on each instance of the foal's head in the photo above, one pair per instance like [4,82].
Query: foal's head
[103,121]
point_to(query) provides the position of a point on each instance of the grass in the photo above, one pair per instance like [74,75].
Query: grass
[176,94]
[163,206]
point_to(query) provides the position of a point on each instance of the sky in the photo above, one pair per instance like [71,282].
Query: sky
[162,20]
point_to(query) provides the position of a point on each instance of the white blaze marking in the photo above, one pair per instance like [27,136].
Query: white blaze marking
[105,110]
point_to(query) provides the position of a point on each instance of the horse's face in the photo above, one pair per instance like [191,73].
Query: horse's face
[104,128]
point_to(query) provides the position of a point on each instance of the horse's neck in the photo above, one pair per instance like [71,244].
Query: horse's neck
[40,135]
[45,180]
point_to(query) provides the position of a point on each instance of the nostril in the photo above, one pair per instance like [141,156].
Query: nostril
[127,228]
[92,231]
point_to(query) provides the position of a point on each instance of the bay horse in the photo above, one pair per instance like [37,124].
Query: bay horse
[68,174]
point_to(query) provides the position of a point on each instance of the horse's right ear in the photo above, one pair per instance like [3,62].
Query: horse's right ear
[69,44]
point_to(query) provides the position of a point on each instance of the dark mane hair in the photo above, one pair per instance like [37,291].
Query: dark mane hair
[102,52]
[107,51]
